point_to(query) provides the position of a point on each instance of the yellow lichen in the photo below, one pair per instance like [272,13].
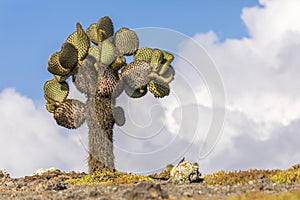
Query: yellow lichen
[288,176]
[243,177]
[164,175]
[236,177]
[109,177]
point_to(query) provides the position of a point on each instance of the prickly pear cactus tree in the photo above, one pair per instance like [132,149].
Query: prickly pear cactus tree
[95,60]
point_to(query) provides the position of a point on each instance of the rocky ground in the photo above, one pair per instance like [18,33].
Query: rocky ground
[54,185]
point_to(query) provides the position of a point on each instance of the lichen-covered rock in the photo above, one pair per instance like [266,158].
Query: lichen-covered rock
[185,172]
[3,173]
[41,171]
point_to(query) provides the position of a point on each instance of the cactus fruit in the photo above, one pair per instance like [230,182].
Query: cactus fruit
[70,114]
[126,41]
[56,91]
[101,73]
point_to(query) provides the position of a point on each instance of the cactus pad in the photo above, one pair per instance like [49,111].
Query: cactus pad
[80,40]
[119,115]
[106,26]
[144,53]
[167,59]
[70,114]
[107,82]
[85,80]
[135,93]
[92,33]
[159,90]
[109,52]
[55,91]
[95,52]
[136,73]
[55,67]
[68,55]
[170,72]
[50,106]
[156,60]
[126,41]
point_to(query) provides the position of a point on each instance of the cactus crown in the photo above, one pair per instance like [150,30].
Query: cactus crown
[100,70]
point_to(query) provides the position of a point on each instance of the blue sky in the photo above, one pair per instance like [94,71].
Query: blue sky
[254,45]
[32,30]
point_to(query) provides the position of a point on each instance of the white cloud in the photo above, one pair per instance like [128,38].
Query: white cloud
[30,138]
[261,79]
[260,75]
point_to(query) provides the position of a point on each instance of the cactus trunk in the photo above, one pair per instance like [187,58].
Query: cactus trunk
[100,122]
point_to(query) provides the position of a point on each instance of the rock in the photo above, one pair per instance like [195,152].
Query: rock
[145,190]
[41,171]
[184,173]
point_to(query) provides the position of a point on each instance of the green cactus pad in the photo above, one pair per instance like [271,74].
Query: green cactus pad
[80,40]
[167,59]
[159,90]
[50,106]
[106,26]
[156,60]
[135,93]
[68,55]
[109,52]
[70,114]
[136,73]
[107,82]
[95,52]
[55,67]
[144,53]
[56,91]
[92,33]
[126,41]
[85,80]
[119,115]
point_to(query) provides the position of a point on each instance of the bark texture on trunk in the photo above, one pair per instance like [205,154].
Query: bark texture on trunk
[100,122]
